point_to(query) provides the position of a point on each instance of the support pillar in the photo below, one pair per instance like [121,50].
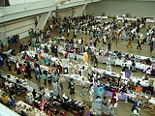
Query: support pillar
[43,20]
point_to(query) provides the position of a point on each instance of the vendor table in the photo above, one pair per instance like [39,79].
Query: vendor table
[25,107]
[101,17]
[121,96]
[78,79]
[122,63]
[128,63]
[126,18]
[23,83]
[152,101]
[117,75]
[150,32]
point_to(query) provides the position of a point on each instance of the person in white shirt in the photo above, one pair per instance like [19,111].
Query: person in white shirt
[83,87]
[17,67]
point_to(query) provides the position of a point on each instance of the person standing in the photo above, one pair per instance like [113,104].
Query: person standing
[117,39]
[133,65]
[44,77]
[34,93]
[17,67]
[88,111]
[95,61]
[129,42]
[37,74]
[97,106]
[56,51]
[139,44]
[74,34]
[133,36]
[56,88]
[128,73]
[21,47]
[8,63]
[95,43]
[109,46]
[28,70]
[71,86]
[151,46]
[68,32]
[50,26]
[1,61]
[83,91]
[61,80]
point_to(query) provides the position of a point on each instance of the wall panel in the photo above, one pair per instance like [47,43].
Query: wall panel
[119,7]
[21,27]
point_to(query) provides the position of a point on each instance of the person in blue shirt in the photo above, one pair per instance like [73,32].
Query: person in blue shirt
[135,107]
[46,60]
[99,91]
[1,61]
[37,74]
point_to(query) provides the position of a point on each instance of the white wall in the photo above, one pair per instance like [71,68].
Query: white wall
[20,27]
[65,13]
[119,7]
[14,2]
[76,11]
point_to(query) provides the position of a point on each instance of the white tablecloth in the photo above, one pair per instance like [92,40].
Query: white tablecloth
[78,79]
[25,106]
[24,84]
[8,52]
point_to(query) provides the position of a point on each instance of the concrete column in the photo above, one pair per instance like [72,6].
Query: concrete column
[43,20]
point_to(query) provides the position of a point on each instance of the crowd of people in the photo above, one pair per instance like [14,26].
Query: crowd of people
[104,33]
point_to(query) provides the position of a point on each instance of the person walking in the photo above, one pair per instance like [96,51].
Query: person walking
[139,44]
[129,42]
[135,108]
